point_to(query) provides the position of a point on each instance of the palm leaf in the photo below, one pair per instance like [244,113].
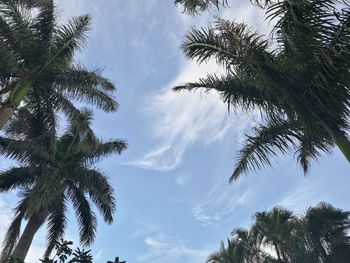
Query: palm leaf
[17,178]
[57,222]
[101,192]
[266,140]
[85,216]
[11,237]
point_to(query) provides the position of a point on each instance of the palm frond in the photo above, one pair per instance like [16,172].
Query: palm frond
[79,76]
[230,43]
[11,237]
[69,38]
[93,96]
[8,37]
[18,21]
[44,27]
[266,141]
[23,150]
[73,114]
[85,215]
[57,222]
[310,148]
[236,90]
[100,192]
[17,177]
[104,149]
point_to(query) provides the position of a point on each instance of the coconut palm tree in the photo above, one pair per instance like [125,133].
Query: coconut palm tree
[321,235]
[274,229]
[51,176]
[242,248]
[327,230]
[298,78]
[37,67]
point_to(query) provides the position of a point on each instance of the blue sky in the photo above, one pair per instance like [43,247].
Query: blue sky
[174,201]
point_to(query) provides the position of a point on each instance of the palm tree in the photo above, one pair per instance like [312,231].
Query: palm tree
[319,236]
[50,177]
[274,229]
[242,248]
[298,79]
[37,67]
[327,228]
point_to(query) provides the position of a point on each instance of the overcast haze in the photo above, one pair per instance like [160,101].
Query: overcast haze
[174,201]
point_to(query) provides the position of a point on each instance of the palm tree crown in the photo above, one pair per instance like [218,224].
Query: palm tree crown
[37,66]
[278,236]
[50,177]
[298,80]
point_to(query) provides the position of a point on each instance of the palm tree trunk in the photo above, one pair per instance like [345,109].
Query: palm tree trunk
[23,245]
[18,92]
[6,113]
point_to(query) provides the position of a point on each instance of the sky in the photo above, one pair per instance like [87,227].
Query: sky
[174,202]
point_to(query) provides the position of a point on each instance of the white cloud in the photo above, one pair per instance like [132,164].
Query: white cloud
[165,249]
[220,205]
[310,191]
[98,255]
[183,119]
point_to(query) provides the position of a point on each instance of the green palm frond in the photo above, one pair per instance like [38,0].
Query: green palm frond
[310,148]
[101,193]
[305,79]
[94,97]
[17,178]
[23,150]
[85,215]
[45,26]
[103,149]
[230,43]
[11,237]
[8,37]
[235,89]
[20,39]
[69,38]
[79,76]
[57,222]
[87,86]
[73,114]
[267,140]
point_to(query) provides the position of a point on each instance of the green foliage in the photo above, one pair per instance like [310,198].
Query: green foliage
[65,254]
[298,78]
[37,66]
[280,236]
[51,176]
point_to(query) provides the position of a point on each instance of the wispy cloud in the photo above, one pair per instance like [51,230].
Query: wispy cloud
[165,249]
[220,205]
[98,255]
[182,119]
